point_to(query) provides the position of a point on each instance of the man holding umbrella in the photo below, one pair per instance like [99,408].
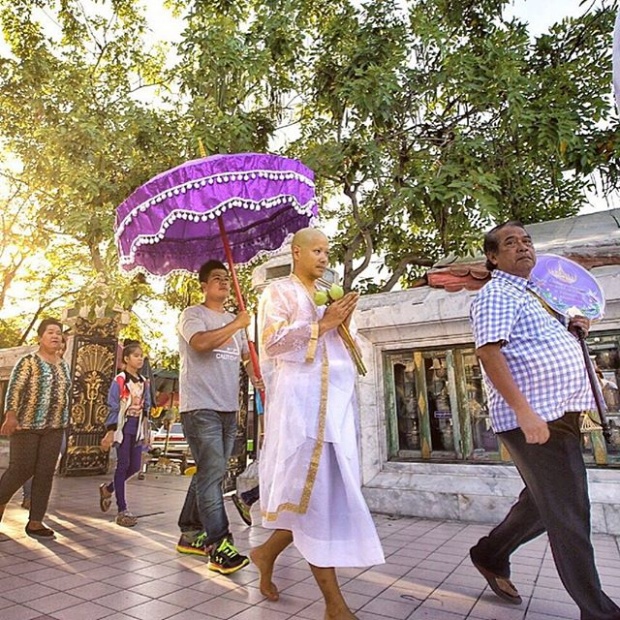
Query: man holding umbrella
[212,343]
[237,206]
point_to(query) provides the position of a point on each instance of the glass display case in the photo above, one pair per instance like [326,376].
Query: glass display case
[440,406]
[436,405]
[408,419]
[604,353]
[483,437]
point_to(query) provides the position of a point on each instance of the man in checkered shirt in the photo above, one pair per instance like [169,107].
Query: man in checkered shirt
[537,385]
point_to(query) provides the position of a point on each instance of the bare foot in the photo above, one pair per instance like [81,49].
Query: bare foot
[267,588]
[341,614]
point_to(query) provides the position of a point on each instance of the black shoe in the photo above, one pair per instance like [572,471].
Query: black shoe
[225,558]
[197,547]
[243,509]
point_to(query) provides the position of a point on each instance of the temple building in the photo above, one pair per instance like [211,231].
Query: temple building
[427,445]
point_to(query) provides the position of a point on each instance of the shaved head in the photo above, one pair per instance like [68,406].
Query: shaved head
[306,236]
[310,250]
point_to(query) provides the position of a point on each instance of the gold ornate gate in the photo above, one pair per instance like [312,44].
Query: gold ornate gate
[93,368]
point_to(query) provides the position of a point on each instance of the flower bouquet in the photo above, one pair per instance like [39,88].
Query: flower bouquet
[324,298]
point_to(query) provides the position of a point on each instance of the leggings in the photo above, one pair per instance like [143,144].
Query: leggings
[128,462]
[32,454]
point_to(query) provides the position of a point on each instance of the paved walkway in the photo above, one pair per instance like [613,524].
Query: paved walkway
[96,569]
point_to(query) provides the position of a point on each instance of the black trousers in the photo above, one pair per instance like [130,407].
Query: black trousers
[555,499]
[32,454]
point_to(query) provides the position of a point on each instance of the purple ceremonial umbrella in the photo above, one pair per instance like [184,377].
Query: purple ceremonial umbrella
[227,207]
[173,222]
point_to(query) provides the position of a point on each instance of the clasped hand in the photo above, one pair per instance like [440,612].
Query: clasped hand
[339,312]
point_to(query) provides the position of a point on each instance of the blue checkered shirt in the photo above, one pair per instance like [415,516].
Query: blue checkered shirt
[545,359]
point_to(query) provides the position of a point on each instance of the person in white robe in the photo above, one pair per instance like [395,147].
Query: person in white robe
[310,486]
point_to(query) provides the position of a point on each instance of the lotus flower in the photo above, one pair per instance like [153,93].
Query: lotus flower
[324,298]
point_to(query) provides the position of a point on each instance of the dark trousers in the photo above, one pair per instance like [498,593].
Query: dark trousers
[32,454]
[555,499]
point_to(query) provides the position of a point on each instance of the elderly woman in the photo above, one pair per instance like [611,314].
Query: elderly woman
[36,415]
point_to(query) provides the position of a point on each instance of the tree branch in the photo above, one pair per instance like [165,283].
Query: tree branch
[39,310]
[403,263]
[349,273]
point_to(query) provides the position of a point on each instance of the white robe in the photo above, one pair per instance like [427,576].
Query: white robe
[309,466]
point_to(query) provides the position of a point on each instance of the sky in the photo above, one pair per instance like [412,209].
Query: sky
[540,14]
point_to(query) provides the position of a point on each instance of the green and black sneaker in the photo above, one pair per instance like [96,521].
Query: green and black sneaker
[194,547]
[225,558]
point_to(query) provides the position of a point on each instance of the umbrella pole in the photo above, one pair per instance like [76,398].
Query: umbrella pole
[240,302]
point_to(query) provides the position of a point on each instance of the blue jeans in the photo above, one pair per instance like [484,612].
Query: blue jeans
[211,437]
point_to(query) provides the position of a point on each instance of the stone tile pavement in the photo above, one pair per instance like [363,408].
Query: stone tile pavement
[96,569]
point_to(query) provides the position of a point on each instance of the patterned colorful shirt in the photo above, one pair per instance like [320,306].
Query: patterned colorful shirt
[545,359]
[38,393]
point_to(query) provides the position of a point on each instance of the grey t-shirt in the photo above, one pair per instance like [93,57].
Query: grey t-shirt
[209,380]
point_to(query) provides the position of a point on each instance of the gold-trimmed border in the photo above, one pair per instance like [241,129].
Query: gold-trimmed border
[272,329]
[314,340]
[315,459]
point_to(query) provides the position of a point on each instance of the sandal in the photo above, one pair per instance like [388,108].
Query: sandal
[40,532]
[502,586]
[105,497]
[126,519]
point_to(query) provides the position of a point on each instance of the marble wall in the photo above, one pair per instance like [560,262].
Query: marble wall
[427,317]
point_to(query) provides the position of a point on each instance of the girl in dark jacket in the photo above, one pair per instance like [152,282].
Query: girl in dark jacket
[127,427]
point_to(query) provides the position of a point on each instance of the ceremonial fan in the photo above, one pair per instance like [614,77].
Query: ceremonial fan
[572,291]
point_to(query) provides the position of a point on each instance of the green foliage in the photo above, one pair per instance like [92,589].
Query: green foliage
[425,121]
[237,64]
[435,123]
[70,114]
[167,360]
[10,332]
[182,291]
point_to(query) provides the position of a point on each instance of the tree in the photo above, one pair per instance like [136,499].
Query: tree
[237,71]
[18,238]
[70,114]
[424,120]
[431,124]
